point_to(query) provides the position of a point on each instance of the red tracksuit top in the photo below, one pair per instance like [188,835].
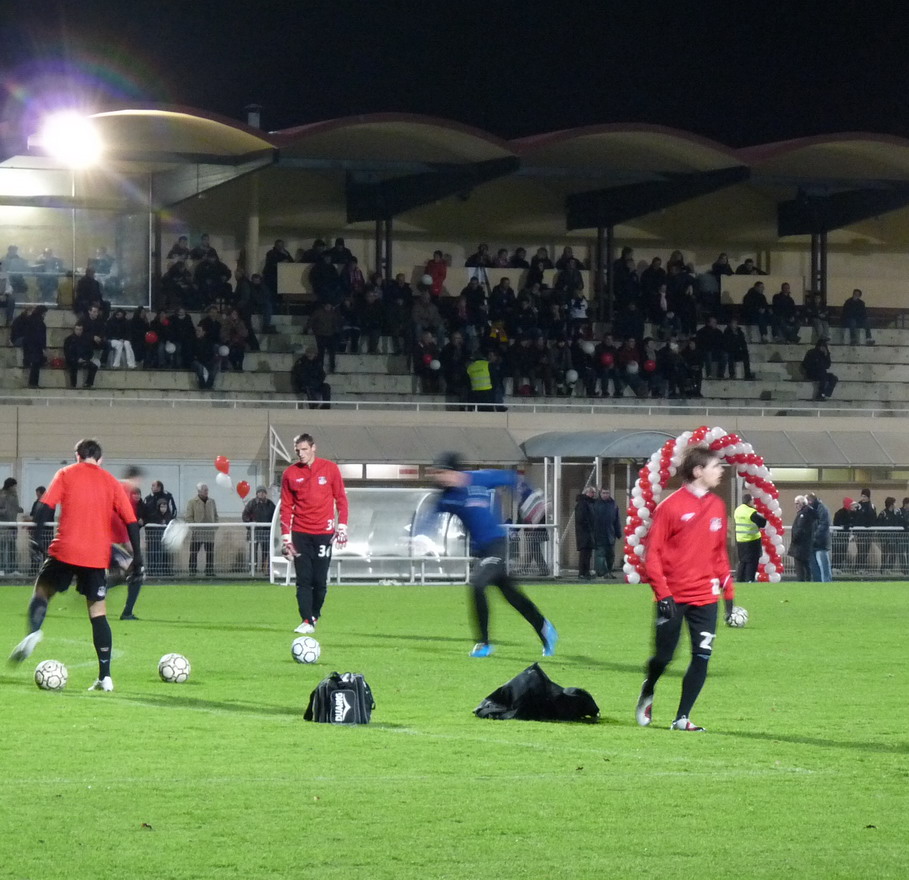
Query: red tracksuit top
[309,494]
[686,548]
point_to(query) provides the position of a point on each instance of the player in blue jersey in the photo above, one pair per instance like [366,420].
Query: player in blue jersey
[469,496]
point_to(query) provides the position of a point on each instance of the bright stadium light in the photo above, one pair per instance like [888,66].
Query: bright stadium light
[71,139]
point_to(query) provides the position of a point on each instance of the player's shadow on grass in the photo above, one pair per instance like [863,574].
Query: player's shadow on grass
[184,702]
[852,745]
[399,637]
[232,627]
[600,663]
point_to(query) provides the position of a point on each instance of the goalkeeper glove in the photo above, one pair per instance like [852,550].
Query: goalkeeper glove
[341,536]
[287,547]
[665,610]
[730,604]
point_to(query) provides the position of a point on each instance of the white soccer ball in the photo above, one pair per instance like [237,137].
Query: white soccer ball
[51,675]
[224,351]
[174,535]
[305,649]
[738,617]
[174,668]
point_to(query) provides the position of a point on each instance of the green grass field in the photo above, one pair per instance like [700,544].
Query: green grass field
[804,770]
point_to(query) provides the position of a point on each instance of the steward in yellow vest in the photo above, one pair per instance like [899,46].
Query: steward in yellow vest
[748,525]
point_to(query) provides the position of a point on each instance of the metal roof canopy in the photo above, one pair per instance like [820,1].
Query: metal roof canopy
[596,444]
[369,199]
[830,449]
[407,445]
[811,213]
[609,207]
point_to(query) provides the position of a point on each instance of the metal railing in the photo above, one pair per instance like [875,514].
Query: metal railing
[860,553]
[804,409]
[247,551]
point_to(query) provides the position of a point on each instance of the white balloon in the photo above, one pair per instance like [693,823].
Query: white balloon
[633,578]
[637,492]
[654,477]
[673,470]
[770,568]
[645,513]
[639,550]
[775,578]
[627,567]
[633,540]
[224,480]
[764,559]
[685,435]
[640,531]
[638,501]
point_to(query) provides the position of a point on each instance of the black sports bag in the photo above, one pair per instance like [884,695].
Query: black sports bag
[341,699]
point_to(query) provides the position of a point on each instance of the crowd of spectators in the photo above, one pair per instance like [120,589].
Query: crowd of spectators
[669,331]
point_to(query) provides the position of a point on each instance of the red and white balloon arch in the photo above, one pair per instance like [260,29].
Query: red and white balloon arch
[663,465]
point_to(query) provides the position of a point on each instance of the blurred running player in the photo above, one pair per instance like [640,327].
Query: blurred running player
[687,567]
[122,566]
[87,494]
[467,495]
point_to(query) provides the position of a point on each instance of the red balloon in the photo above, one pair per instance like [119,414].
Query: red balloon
[607,359]
[151,337]
[222,463]
[57,363]
[427,359]
[165,322]
[649,366]
[243,488]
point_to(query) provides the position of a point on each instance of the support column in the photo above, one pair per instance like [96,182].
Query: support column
[379,264]
[610,275]
[389,266]
[822,266]
[251,256]
[599,278]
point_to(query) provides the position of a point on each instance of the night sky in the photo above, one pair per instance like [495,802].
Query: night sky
[740,73]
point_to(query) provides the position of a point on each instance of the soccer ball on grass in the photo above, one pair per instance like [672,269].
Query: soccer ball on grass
[738,617]
[51,675]
[174,668]
[305,649]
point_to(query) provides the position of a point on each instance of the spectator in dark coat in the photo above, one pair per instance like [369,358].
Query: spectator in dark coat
[855,317]
[34,345]
[843,519]
[801,538]
[712,346]
[820,540]
[260,511]
[606,531]
[756,309]
[736,349]
[864,517]
[816,366]
[583,530]
[326,324]
[78,353]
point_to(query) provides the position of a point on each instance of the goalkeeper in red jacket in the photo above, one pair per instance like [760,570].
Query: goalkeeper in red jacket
[688,568]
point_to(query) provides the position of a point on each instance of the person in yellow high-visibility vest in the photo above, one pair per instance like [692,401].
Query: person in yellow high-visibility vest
[748,525]
[480,380]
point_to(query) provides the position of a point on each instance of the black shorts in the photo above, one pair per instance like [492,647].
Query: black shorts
[701,621]
[90,582]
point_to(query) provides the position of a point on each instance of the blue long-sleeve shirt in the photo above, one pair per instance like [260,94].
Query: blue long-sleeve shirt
[475,505]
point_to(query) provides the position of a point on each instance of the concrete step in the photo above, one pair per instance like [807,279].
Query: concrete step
[247,383]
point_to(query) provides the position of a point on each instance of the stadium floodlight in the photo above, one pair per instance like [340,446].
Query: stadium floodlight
[71,139]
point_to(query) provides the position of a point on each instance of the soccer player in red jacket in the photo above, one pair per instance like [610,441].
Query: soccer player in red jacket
[688,568]
[311,490]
